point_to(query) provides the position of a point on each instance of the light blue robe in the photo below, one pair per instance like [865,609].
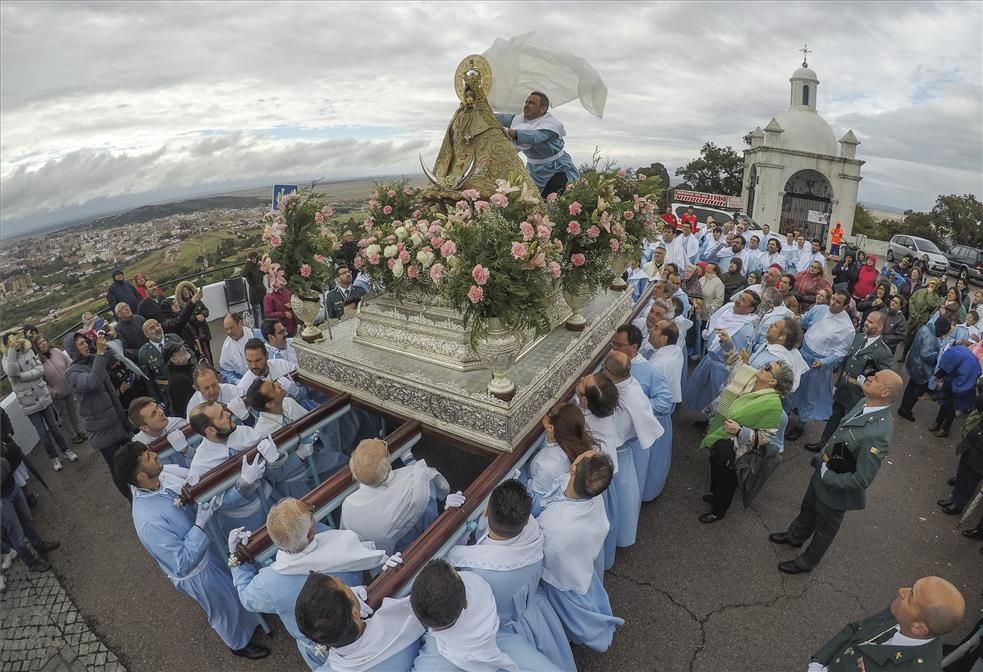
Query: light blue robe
[267,592]
[514,646]
[760,337]
[423,522]
[814,397]
[652,465]
[183,553]
[684,299]
[524,610]
[545,143]
[710,375]
[587,618]
[626,488]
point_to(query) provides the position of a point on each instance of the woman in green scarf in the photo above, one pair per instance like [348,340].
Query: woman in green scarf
[920,306]
[746,414]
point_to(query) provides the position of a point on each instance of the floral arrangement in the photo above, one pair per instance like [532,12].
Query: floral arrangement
[299,236]
[503,261]
[604,212]
[402,245]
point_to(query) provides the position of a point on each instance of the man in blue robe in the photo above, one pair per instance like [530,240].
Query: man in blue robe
[539,135]
[305,546]
[651,466]
[510,558]
[175,537]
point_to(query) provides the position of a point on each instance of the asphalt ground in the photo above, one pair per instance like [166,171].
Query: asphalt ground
[694,597]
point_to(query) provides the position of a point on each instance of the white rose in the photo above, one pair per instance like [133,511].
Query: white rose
[372,249]
[397,269]
[424,258]
[389,252]
[416,239]
[400,232]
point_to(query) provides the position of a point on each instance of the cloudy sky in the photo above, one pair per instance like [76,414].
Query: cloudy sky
[109,105]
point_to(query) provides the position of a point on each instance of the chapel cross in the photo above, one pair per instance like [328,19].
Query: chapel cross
[805,52]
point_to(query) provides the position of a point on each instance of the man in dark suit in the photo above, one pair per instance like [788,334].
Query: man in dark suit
[868,354]
[336,301]
[844,470]
[903,637]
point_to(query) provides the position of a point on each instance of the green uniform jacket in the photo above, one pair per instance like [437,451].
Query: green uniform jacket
[846,650]
[868,437]
[847,394]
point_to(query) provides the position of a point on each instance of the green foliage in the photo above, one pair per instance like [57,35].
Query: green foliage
[957,219]
[300,243]
[719,170]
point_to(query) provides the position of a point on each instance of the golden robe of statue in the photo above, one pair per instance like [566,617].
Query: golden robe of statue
[475,151]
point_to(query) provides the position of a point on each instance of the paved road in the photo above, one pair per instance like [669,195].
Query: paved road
[695,597]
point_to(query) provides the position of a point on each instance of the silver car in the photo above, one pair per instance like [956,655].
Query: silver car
[901,245]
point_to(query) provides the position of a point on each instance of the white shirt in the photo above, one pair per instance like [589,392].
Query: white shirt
[226,393]
[276,369]
[269,423]
[806,257]
[233,357]
[288,353]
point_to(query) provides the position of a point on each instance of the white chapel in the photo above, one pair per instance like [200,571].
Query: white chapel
[796,173]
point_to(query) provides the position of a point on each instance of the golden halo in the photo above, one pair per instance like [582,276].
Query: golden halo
[478,63]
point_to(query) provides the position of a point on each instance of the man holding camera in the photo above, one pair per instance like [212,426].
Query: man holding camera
[868,354]
[844,470]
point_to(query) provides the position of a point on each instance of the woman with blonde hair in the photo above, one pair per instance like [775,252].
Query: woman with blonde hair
[199,319]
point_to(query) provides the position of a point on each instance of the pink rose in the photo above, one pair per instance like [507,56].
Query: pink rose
[436,242]
[476,294]
[554,269]
[461,205]
[436,272]
[576,208]
[358,262]
[481,206]
[519,250]
[628,214]
[417,213]
[319,218]
[448,249]
[408,190]
[404,256]
[618,230]
[391,263]
[578,259]
[374,259]
[543,231]
[388,210]
[480,274]
[501,200]
[527,231]
[615,245]
[593,232]
[551,198]
[305,271]
[621,173]
[573,227]
[412,272]
[471,194]
[434,228]
[391,193]
[276,241]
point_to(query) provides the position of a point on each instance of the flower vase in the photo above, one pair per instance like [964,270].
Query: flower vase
[306,309]
[619,263]
[577,298]
[498,349]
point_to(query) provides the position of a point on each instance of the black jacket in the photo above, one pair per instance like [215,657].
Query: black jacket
[10,452]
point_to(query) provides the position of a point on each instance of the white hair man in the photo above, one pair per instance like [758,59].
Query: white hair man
[304,546]
[392,507]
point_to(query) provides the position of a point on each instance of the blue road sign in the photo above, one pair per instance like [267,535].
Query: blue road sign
[279,191]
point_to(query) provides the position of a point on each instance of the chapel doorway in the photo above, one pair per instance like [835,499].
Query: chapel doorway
[807,204]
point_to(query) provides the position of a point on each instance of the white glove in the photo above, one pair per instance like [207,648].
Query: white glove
[288,385]
[268,450]
[455,500]
[393,561]
[237,536]
[252,472]
[305,450]
[238,408]
[205,512]
[178,441]
[364,610]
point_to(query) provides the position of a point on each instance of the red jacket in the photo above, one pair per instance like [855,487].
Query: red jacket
[275,305]
[670,218]
[689,218]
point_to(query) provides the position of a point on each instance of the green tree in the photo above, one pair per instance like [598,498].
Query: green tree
[719,170]
[959,219]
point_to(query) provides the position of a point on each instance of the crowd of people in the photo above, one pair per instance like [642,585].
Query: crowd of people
[781,336]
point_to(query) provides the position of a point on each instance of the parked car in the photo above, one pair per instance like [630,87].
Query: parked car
[917,247]
[719,216]
[966,262]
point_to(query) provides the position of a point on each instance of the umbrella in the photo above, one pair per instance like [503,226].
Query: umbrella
[527,63]
[754,468]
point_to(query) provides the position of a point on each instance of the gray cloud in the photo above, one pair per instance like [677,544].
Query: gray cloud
[114,100]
